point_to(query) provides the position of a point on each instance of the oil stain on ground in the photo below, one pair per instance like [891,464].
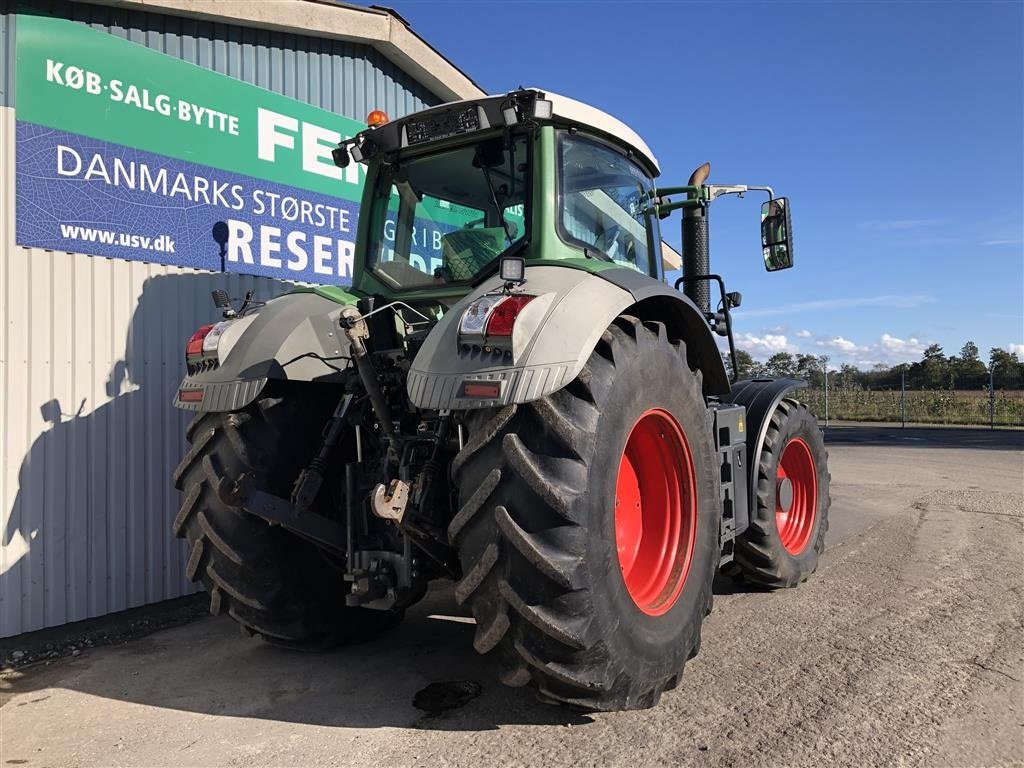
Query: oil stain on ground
[438,698]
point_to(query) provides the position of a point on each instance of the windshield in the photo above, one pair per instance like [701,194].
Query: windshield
[603,197]
[445,218]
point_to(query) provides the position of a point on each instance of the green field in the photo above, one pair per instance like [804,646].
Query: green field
[969,407]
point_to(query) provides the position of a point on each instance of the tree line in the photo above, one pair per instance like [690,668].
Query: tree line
[935,370]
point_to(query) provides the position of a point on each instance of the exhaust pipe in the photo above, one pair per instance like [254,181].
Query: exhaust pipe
[696,256]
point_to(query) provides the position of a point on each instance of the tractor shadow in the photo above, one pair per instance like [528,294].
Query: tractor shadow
[726,585]
[88,531]
[208,667]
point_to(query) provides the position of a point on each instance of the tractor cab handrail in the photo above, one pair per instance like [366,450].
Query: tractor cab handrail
[726,302]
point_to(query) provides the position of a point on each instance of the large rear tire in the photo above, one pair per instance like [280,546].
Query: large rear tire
[272,582]
[568,589]
[788,525]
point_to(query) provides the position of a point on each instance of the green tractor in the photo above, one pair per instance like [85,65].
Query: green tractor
[508,396]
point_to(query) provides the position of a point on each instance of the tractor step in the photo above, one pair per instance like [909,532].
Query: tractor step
[731,443]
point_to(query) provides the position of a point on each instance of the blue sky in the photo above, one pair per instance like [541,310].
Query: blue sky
[896,129]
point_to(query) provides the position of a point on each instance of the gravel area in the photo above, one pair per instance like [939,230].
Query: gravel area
[906,648]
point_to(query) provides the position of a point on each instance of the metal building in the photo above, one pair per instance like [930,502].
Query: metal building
[91,342]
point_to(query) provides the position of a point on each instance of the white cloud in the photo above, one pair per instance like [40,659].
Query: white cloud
[840,344]
[889,300]
[1016,241]
[763,347]
[908,350]
[888,350]
[897,224]
[1016,349]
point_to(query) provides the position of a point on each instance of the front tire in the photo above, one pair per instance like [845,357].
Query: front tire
[547,561]
[787,529]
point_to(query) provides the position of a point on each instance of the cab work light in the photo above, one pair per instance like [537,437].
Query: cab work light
[512,269]
[543,109]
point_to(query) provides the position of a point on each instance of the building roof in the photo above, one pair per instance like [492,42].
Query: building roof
[381,28]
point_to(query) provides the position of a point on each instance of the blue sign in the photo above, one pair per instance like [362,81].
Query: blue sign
[85,195]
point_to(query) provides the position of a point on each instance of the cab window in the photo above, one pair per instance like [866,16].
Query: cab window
[603,196]
[446,217]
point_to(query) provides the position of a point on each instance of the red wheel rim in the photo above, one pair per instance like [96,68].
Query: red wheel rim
[655,511]
[796,496]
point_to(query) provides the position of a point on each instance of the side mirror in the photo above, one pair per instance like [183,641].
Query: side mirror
[776,235]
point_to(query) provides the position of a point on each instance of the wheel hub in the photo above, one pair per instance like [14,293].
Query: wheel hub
[655,511]
[784,491]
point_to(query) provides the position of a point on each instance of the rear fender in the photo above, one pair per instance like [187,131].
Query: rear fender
[657,301]
[554,336]
[281,340]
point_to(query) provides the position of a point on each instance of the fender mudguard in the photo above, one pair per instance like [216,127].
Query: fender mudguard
[553,337]
[760,397]
[280,340]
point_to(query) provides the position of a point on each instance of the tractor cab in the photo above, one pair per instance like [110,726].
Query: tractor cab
[529,174]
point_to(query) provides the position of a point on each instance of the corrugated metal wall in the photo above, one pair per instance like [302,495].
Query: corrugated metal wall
[91,349]
[6,52]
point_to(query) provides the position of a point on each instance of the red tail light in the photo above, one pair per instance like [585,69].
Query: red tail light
[195,343]
[503,316]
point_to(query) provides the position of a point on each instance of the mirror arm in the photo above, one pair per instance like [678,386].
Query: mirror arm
[705,193]
[685,190]
[717,190]
[664,209]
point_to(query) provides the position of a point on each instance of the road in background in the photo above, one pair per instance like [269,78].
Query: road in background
[905,648]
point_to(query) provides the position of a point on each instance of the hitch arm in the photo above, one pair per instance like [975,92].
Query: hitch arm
[276,511]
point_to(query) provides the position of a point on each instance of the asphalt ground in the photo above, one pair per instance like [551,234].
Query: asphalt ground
[906,648]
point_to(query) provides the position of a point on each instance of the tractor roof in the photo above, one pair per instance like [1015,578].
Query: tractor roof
[460,117]
[584,114]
